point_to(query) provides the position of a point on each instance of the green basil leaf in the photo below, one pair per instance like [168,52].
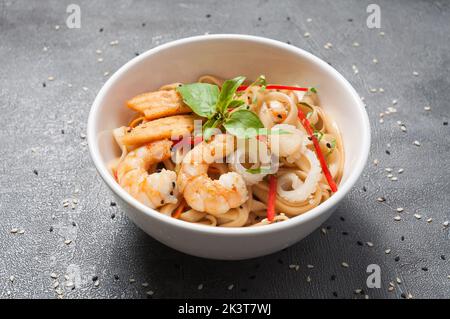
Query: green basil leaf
[210,126]
[260,170]
[200,97]
[243,124]
[229,88]
[235,103]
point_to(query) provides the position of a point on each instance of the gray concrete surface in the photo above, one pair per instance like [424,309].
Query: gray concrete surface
[44,160]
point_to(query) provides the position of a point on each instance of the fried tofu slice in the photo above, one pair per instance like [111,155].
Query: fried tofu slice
[159,104]
[163,128]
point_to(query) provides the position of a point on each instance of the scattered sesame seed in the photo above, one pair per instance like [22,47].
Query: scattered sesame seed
[310,266]
[230,287]
[375,162]
[150,293]
[115,42]
[415,73]
[375,61]
[57,27]
[55,284]
[429,220]
[324,231]
[200,287]
[67,241]
[51,78]
[417,216]
[345,265]
[307,34]
[399,281]
[381,90]
[403,127]
[308,20]
[387,251]
[98,51]
[96,283]
[370,244]
[400,209]
[12,278]
[382,33]
[389,175]
[388,169]
[446,223]
[144,284]
[328,45]
[397,218]
[100,60]
[391,288]
[54,275]
[21,232]
[132,280]
[69,284]
[394,102]
[373,90]
[106,73]
[85,88]
[417,143]
[357,291]
[308,279]
[355,44]
[381,121]
[401,170]
[14,230]
[381,199]
[427,108]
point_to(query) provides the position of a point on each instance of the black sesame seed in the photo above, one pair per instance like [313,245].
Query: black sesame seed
[333,277]
[252,277]
[94,278]
[328,227]
[403,295]
[74,224]
[259,18]
[43,84]
[279,116]
[364,188]
[342,218]
[208,16]
[171,193]
[50,229]
[162,202]
[62,131]
[344,233]
[402,238]
[116,277]
[328,145]
[360,243]
[136,53]
[335,294]
[173,184]
[100,30]
[113,216]
[113,204]
[388,152]
[424,268]
[143,24]
[445,123]
[397,258]
[35,172]
[288,18]
[288,42]
[443,257]
[350,20]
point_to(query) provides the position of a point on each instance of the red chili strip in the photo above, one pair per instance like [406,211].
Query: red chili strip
[322,160]
[271,197]
[188,140]
[276,87]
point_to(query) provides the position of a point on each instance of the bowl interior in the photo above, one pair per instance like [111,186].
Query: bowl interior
[228,57]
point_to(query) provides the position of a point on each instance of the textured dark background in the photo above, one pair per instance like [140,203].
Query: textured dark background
[42,123]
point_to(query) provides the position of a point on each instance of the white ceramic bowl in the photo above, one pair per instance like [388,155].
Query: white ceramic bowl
[227,56]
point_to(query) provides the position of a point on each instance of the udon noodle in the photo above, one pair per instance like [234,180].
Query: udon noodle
[154,170]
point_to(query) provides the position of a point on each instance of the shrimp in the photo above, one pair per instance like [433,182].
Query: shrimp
[153,190]
[199,190]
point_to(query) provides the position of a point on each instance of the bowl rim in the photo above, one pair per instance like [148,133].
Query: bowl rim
[225,231]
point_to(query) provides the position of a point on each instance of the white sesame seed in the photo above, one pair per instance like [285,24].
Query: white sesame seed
[400,209]
[375,61]
[399,281]
[388,169]
[308,20]
[200,287]
[389,175]
[307,34]
[96,283]
[415,73]
[375,162]
[150,293]
[292,266]
[14,230]
[394,102]
[381,199]
[429,220]
[417,143]
[308,279]
[410,296]
[391,288]
[69,284]
[12,278]
[381,90]
[85,88]
[66,277]
[394,179]
[381,121]
[45,49]
[355,44]
[387,251]
[417,216]
[98,51]
[100,60]
[144,284]
[397,218]
[69,85]
[132,280]
[57,27]
[67,241]
[51,78]
[115,42]
[448,276]
[446,223]
[324,231]
[54,275]
[310,266]
[373,90]
[358,291]
[106,73]
[55,284]
[401,170]
[427,108]
[382,33]
[370,244]
[344,264]
[21,232]
[230,287]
